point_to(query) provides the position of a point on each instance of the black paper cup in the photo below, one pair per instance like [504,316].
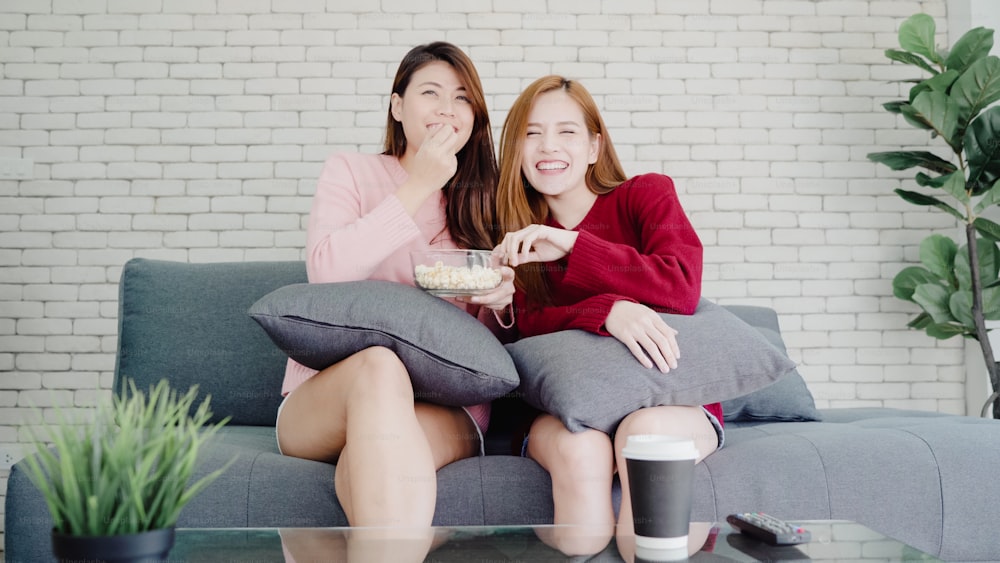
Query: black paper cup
[660,477]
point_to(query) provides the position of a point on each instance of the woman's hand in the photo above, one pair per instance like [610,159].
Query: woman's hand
[431,167]
[435,162]
[499,297]
[536,243]
[645,334]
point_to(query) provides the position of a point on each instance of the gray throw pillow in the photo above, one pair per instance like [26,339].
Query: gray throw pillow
[451,357]
[592,381]
[788,399]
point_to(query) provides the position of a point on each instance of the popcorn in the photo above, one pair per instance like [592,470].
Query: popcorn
[457,278]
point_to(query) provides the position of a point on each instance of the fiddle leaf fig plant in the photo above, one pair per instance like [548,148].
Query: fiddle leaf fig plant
[957,286]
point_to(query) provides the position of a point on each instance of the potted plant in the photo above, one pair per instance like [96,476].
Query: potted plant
[116,485]
[957,287]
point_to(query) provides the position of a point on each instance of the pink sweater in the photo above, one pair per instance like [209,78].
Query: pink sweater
[359,230]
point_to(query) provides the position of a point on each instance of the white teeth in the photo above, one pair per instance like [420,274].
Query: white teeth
[552,165]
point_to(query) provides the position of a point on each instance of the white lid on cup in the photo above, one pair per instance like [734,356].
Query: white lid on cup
[659,447]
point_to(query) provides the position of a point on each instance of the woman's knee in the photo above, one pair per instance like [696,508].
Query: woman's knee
[378,374]
[682,421]
[659,420]
[572,453]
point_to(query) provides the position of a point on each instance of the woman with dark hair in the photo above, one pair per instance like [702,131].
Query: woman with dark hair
[616,251]
[434,186]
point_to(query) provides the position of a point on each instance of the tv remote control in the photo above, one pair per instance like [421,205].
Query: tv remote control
[769,529]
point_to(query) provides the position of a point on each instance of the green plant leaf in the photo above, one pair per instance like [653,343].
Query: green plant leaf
[982,149]
[989,198]
[913,117]
[989,264]
[930,181]
[972,46]
[921,321]
[944,331]
[916,34]
[989,261]
[987,228]
[907,280]
[978,87]
[902,160]
[940,112]
[918,198]
[954,184]
[960,305]
[910,59]
[937,253]
[991,303]
[940,83]
[894,107]
[935,300]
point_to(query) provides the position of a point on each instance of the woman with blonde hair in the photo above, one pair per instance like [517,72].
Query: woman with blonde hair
[597,251]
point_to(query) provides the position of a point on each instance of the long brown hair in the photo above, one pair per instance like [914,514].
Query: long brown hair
[518,203]
[470,195]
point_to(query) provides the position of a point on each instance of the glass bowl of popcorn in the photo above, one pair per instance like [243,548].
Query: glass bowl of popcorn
[457,272]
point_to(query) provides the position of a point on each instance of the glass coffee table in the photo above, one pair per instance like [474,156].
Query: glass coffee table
[840,541]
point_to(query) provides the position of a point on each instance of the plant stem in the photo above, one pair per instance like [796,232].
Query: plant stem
[977,315]
[991,401]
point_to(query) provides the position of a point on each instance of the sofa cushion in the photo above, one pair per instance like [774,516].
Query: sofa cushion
[922,478]
[188,323]
[788,398]
[452,358]
[592,381]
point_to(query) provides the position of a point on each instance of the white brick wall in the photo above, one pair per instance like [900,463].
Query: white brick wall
[194,130]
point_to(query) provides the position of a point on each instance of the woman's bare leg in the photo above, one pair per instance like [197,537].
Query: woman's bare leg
[358,545]
[360,414]
[691,422]
[581,467]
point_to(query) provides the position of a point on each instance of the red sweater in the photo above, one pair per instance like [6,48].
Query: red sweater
[635,244]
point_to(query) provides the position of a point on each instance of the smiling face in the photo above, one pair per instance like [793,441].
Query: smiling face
[557,147]
[435,97]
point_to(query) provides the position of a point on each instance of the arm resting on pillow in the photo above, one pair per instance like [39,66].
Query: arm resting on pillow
[588,314]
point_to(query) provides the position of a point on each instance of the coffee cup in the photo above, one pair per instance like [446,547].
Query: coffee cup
[661,478]
[648,555]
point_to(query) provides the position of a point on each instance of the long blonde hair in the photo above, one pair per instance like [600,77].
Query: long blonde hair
[518,203]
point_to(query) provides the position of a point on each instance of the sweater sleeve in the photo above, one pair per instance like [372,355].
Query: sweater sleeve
[588,314]
[663,271]
[344,243]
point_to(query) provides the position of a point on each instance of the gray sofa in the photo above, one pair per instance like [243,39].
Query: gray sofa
[927,479]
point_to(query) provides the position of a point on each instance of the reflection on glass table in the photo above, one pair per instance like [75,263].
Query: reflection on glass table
[840,541]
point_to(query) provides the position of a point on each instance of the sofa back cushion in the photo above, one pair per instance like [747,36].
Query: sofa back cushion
[788,399]
[188,323]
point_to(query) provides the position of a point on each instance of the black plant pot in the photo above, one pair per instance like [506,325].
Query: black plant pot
[145,547]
